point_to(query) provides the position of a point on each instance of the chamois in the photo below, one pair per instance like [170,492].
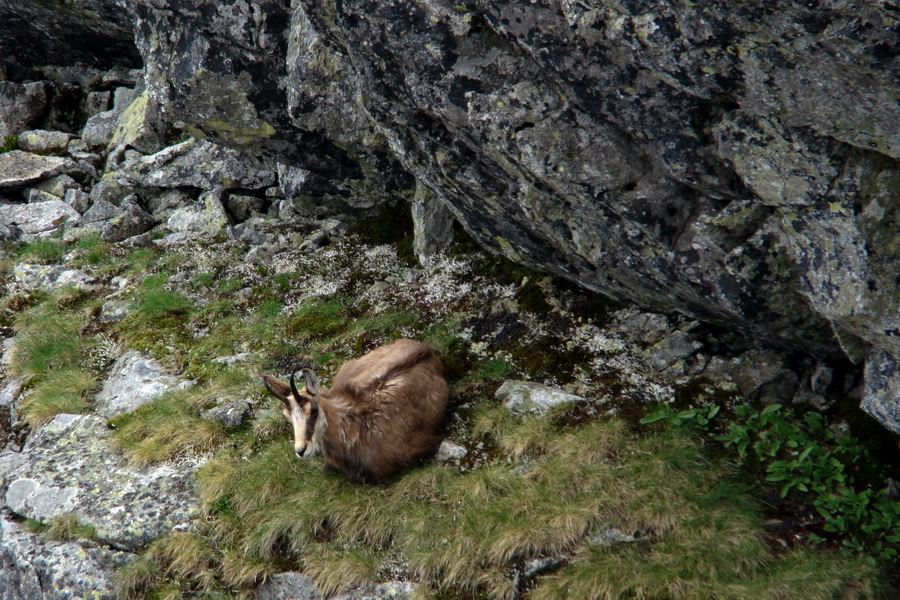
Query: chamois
[381,415]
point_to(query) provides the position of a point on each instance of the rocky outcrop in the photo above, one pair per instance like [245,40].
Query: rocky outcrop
[32,568]
[68,467]
[735,163]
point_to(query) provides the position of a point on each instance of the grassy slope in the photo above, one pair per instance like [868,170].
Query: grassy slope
[530,488]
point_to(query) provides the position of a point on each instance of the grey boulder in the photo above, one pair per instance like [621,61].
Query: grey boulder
[32,568]
[19,169]
[135,380]
[20,105]
[69,467]
[39,219]
[117,223]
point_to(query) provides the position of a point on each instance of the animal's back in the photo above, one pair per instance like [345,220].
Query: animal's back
[396,400]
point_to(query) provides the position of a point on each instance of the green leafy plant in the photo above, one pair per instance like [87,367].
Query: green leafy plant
[805,457]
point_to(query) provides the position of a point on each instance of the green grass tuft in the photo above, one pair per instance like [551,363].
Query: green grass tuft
[48,338]
[68,528]
[166,428]
[62,391]
[10,143]
[42,251]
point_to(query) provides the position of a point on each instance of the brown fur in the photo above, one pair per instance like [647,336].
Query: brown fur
[382,414]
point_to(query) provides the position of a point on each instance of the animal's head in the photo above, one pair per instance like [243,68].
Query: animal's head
[301,409]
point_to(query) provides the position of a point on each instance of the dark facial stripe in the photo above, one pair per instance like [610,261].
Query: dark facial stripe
[312,415]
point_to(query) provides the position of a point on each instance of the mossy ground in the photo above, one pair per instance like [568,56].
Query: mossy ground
[550,487]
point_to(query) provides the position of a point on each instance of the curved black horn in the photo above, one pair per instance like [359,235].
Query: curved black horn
[294,391]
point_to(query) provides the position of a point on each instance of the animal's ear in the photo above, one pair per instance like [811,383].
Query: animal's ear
[312,382]
[277,388]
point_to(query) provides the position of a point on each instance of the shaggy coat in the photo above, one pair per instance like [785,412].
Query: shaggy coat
[382,414]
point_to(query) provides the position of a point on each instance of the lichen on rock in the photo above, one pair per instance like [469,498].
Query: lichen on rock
[69,466]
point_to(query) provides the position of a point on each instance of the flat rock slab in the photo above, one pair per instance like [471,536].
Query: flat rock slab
[32,568]
[19,169]
[69,467]
[527,397]
[41,141]
[135,380]
[38,218]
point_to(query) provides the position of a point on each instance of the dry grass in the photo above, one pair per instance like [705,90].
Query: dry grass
[166,428]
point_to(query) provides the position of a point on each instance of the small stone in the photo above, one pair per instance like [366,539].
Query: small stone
[672,349]
[207,217]
[313,241]
[99,129]
[289,586]
[35,196]
[526,397]
[50,277]
[229,415]
[537,566]
[10,392]
[242,207]
[114,311]
[97,102]
[230,361]
[450,450]
[117,223]
[78,199]
[58,185]
[611,536]
[291,180]
[6,349]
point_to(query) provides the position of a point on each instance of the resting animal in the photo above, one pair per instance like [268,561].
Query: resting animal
[381,415]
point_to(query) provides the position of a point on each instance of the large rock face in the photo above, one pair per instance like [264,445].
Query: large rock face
[93,32]
[736,162]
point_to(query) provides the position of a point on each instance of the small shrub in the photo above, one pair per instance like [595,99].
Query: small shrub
[806,459]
